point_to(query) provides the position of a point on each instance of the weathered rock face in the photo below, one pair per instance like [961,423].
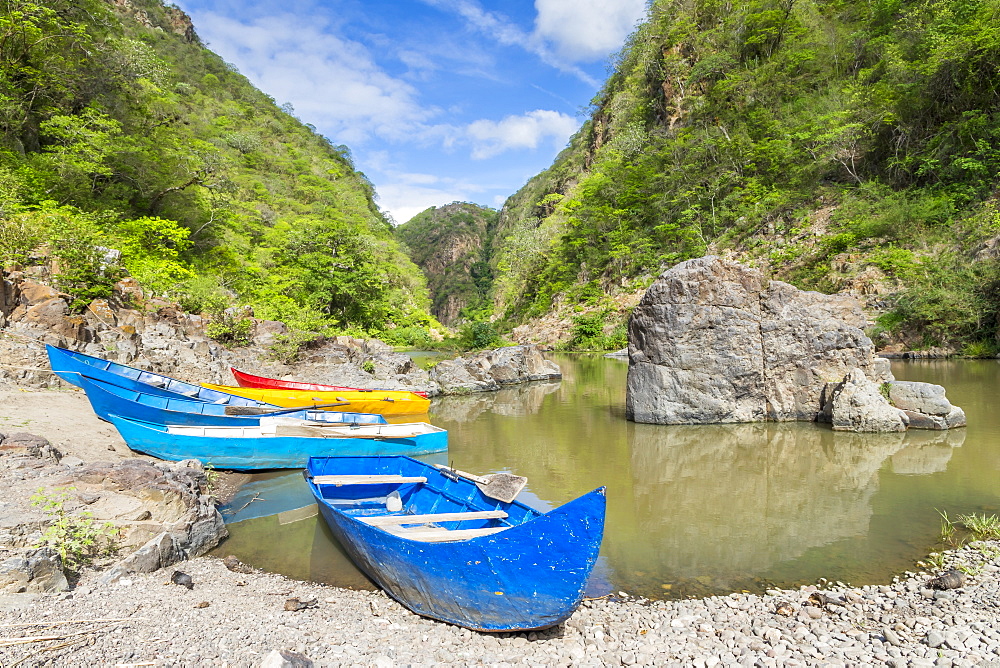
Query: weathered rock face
[491,369]
[38,571]
[925,405]
[712,341]
[857,404]
[163,512]
[171,342]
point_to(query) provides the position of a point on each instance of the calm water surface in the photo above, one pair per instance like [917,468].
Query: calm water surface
[692,510]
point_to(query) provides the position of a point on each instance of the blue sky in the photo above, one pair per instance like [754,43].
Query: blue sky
[438,100]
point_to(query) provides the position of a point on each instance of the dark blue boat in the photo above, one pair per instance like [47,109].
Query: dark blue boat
[438,545]
[277,442]
[108,399]
[70,365]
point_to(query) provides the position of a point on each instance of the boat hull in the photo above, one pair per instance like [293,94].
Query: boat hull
[529,576]
[70,365]
[383,402]
[244,379]
[267,452]
[107,399]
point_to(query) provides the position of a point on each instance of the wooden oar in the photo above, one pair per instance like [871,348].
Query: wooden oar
[500,486]
[260,410]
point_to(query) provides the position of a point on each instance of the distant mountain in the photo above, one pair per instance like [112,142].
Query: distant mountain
[452,245]
[839,145]
[119,129]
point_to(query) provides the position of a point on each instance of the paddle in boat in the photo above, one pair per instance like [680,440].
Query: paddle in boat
[70,365]
[446,547]
[277,442]
[383,402]
[244,379]
[107,399]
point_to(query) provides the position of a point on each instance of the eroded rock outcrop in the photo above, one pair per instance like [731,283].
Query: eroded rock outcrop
[161,512]
[492,369]
[857,404]
[713,341]
[925,405]
[171,342]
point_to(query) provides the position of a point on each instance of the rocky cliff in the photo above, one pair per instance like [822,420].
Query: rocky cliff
[714,341]
[451,245]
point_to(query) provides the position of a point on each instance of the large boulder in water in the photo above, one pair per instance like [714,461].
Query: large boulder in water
[714,341]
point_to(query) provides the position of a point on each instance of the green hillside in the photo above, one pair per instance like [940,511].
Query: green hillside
[118,129]
[451,245]
[841,145]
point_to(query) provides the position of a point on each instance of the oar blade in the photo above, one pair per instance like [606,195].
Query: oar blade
[502,486]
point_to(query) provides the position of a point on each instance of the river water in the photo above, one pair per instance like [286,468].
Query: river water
[692,510]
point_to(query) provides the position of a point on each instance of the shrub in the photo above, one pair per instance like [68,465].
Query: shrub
[78,539]
[479,336]
[18,237]
[230,326]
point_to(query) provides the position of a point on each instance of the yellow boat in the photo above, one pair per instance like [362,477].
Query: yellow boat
[386,402]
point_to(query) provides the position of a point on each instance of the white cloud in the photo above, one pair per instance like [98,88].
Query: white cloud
[586,30]
[565,32]
[507,33]
[405,195]
[490,138]
[332,82]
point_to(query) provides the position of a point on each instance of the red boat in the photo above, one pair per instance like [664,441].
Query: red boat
[244,379]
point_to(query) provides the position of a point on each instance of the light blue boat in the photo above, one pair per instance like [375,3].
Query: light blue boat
[70,366]
[107,399]
[277,442]
[438,545]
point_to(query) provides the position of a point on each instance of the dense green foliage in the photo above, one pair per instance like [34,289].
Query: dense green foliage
[804,135]
[452,245]
[122,131]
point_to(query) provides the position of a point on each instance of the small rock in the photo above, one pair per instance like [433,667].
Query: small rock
[283,658]
[892,637]
[934,639]
[950,579]
[813,611]
[295,604]
[235,565]
[182,579]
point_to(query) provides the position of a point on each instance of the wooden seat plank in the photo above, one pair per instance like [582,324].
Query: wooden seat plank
[429,535]
[389,520]
[365,479]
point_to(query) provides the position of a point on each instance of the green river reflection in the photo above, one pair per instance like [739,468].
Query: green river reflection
[692,510]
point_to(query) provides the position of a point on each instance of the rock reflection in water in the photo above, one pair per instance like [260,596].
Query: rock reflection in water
[927,452]
[727,503]
[512,401]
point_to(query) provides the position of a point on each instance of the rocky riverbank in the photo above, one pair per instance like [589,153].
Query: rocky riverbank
[231,618]
[241,617]
[159,337]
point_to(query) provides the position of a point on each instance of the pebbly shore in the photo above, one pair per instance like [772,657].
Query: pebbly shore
[244,617]
[229,618]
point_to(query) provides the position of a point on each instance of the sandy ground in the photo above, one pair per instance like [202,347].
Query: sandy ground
[65,418]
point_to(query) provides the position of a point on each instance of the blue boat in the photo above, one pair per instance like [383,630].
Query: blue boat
[108,399]
[442,548]
[277,442]
[70,365]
